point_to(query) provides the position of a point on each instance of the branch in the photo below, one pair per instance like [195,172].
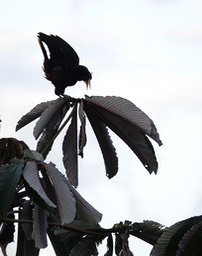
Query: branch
[88,231]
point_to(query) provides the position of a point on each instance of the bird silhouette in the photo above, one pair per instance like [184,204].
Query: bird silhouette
[62,66]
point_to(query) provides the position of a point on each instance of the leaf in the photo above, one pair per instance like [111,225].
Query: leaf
[48,187]
[25,247]
[105,142]
[109,246]
[168,242]
[48,136]
[85,211]
[33,155]
[125,246]
[148,231]
[33,114]
[31,176]
[190,243]
[67,237]
[127,111]
[40,226]
[70,238]
[65,199]
[129,123]
[82,132]
[9,178]
[70,154]
[60,247]
[86,247]
[47,115]
[121,244]
[118,244]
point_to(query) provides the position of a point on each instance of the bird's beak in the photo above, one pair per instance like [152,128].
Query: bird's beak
[88,85]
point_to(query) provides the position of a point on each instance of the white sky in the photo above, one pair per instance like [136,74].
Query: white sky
[149,52]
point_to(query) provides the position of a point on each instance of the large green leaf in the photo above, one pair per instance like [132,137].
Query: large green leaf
[31,175]
[126,110]
[118,244]
[33,114]
[49,133]
[9,178]
[129,123]
[48,186]
[148,231]
[84,211]
[190,243]
[65,199]
[24,246]
[48,114]
[170,241]
[109,246]
[122,244]
[105,142]
[70,150]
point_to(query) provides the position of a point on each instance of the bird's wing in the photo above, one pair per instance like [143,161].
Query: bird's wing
[70,55]
[55,51]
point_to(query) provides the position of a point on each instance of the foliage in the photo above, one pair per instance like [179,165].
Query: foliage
[120,115]
[55,208]
[44,202]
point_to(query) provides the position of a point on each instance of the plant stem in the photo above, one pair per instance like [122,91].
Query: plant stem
[93,231]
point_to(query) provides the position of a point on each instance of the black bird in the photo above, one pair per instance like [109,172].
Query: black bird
[62,67]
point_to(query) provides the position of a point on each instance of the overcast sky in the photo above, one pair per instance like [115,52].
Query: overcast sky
[149,52]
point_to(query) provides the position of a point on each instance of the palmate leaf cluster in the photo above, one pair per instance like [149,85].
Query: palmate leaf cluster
[121,116]
[47,202]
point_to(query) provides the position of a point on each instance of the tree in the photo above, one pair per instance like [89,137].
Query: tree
[44,202]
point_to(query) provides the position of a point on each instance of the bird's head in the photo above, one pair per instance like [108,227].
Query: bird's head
[83,74]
